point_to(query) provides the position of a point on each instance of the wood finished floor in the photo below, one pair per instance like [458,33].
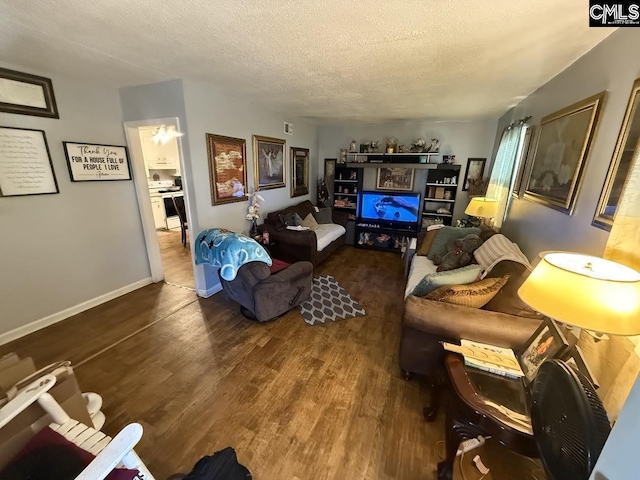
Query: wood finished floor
[296,402]
[176,259]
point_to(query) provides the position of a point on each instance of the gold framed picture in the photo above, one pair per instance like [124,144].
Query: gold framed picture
[227,169]
[561,154]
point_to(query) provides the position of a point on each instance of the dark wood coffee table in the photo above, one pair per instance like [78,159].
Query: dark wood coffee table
[485,404]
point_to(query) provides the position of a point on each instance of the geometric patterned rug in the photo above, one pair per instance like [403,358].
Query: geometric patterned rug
[329,302]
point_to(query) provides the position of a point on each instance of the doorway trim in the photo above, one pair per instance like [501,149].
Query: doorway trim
[142,193]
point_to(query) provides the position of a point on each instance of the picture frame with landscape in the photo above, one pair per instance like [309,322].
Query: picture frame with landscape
[395,178]
[561,154]
[299,171]
[268,162]
[227,169]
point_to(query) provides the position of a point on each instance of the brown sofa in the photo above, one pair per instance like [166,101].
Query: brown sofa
[505,321]
[292,246]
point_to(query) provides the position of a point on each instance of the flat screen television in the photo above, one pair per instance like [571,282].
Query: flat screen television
[390,208]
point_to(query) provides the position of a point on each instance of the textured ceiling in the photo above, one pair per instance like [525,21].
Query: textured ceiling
[334,60]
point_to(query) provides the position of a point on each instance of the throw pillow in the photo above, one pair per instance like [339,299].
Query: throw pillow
[297,220]
[286,219]
[310,222]
[323,215]
[445,236]
[474,295]
[459,276]
[425,246]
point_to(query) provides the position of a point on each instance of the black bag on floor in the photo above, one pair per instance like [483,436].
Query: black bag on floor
[222,465]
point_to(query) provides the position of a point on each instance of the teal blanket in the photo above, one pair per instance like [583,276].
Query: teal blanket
[228,251]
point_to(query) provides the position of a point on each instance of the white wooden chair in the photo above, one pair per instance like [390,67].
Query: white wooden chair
[110,453]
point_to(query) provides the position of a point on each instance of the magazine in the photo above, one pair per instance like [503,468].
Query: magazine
[490,358]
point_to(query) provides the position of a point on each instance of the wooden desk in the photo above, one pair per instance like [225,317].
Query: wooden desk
[484,404]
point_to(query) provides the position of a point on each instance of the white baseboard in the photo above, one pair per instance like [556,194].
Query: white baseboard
[209,291]
[69,312]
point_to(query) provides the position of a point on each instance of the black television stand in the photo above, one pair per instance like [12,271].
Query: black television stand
[383,236]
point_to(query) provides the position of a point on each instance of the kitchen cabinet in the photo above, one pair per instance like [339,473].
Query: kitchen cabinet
[156,155]
[159,213]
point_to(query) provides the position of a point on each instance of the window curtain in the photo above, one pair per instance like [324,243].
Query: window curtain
[501,180]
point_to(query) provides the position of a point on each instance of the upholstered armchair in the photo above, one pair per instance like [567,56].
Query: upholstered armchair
[265,296]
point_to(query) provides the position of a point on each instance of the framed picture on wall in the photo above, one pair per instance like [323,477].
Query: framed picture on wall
[299,171]
[268,162]
[395,179]
[91,162]
[561,153]
[25,163]
[227,169]
[474,172]
[330,177]
[27,94]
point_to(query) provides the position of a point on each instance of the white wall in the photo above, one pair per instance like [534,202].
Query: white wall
[462,139]
[210,110]
[58,251]
[612,65]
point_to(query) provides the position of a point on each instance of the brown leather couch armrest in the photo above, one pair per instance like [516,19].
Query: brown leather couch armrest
[340,218]
[453,323]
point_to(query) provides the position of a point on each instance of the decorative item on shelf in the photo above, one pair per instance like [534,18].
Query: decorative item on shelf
[353,147]
[418,146]
[401,149]
[340,176]
[355,189]
[343,156]
[447,195]
[353,175]
[448,159]
[364,147]
[156,177]
[392,144]
[345,190]
[323,193]
[443,211]
[253,212]
[433,147]
[374,147]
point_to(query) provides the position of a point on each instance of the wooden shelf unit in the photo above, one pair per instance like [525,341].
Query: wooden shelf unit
[440,194]
[344,180]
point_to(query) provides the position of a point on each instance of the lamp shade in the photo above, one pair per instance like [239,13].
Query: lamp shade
[482,207]
[587,292]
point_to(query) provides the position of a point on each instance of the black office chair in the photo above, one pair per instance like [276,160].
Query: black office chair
[178,203]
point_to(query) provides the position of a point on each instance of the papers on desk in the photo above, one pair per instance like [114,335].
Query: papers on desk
[501,361]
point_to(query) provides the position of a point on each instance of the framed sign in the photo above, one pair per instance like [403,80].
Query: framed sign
[26,94]
[299,171]
[90,162]
[25,163]
[227,169]
[268,162]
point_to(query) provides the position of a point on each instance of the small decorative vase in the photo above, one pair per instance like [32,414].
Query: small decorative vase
[254,230]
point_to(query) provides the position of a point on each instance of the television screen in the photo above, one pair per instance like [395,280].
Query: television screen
[390,207]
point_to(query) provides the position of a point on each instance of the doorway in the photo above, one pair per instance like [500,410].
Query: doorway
[157,158]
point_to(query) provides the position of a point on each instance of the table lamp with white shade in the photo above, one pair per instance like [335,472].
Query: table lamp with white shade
[597,295]
[482,207]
